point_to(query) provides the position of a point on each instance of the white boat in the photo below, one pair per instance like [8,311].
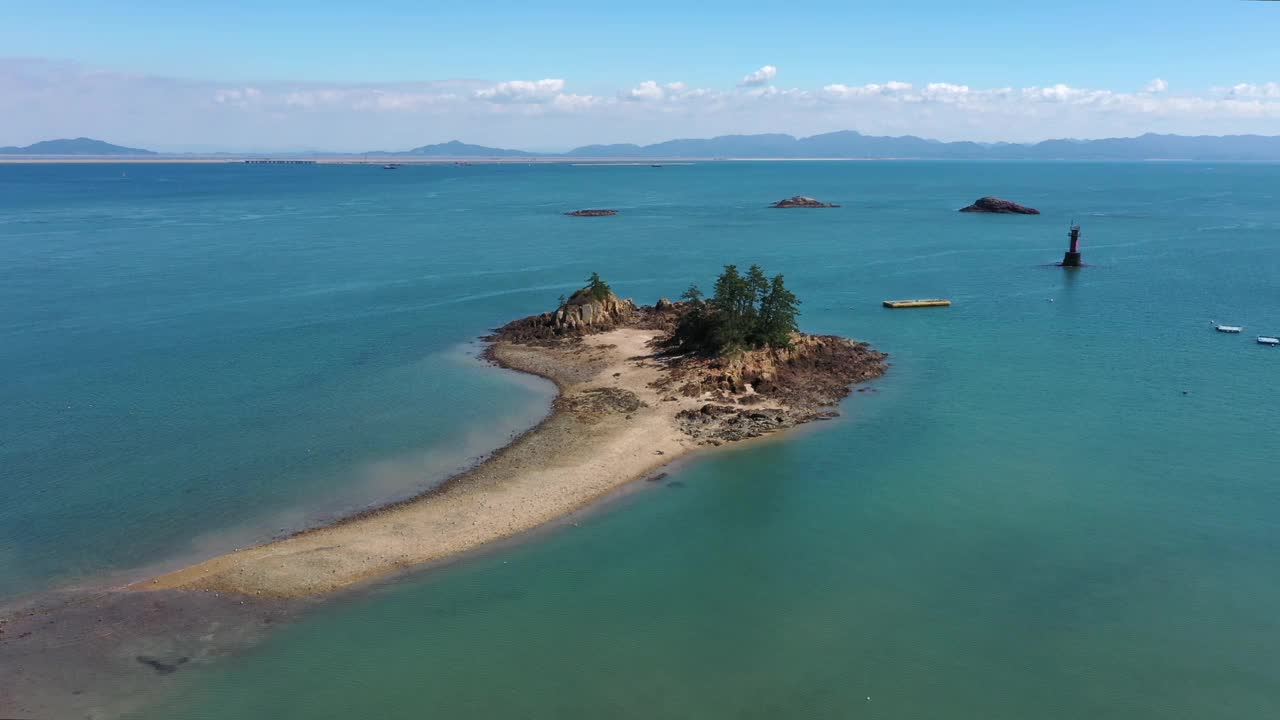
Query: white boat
[1264,340]
[1228,328]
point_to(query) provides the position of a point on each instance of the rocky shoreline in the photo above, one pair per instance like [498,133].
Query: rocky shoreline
[744,395]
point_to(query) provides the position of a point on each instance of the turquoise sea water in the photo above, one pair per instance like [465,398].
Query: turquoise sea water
[1048,509]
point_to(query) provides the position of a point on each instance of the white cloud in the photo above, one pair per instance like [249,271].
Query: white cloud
[575,102]
[523,91]
[40,99]
[647,91]
[650,91]
[945,92]
[1267,91]
[763,76]
[1156,86]
[893,87]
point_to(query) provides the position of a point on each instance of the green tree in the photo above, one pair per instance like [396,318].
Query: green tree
[734,306]
[745,312]
[778,312]
[597,288]
[758,282]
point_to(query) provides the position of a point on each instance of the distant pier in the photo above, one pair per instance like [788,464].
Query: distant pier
[279,162]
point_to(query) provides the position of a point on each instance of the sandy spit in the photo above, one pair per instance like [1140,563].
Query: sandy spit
[581,452]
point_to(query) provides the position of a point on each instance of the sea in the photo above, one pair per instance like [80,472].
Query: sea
[1062,500]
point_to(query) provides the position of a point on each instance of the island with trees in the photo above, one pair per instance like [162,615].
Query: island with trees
[638,387]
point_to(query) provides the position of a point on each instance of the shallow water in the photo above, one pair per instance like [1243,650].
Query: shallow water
[1048,509]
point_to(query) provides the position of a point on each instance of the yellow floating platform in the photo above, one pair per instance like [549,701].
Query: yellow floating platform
[935,302]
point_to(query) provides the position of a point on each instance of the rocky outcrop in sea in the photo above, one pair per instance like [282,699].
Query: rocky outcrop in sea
[999,206]
[592,213]
[802,201]
[581,314]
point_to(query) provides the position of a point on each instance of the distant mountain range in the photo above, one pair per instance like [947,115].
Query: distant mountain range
[78,146]
[455,149]
[850,144]
[846,144]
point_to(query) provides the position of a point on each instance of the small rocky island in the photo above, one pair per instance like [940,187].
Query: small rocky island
[999,206]
[637,387]
[802,201]
[592,213]
[735,364]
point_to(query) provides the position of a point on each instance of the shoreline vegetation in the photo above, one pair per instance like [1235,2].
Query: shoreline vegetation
[636,392]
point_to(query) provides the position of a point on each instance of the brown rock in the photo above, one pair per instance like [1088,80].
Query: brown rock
[802,201]
[581,314]
[998,206]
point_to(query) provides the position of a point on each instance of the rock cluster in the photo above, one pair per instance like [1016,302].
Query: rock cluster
[802,201]
[714,424]
[581,314]
[595,403]
[592,213]
[815,372]
[999,206]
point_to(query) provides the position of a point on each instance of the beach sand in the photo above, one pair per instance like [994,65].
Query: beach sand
[593,442]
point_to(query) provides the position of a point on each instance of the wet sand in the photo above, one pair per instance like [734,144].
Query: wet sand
[608,428]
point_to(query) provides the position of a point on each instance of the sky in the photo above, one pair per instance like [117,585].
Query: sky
[554,74]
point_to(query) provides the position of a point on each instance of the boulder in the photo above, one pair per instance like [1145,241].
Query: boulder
[592,213]
[999,206]
[663,304]
[583,312]
[802,201]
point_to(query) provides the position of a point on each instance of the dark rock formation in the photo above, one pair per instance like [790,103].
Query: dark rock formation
[581,314]
[801,201]
[996,205]
[724,423]
[591,213]
[593,404]
[663,304]
[161,667]
[815,372]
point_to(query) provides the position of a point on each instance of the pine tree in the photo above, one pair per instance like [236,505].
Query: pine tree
[745,312]
[758,282]
[778,311]
[597,288]
[734,307]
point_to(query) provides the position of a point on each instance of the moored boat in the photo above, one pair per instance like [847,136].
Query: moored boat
[1228,328]
[1267,340]
[931,302]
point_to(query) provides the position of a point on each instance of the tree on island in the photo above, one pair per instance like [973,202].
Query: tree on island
[746,312]
[597,288]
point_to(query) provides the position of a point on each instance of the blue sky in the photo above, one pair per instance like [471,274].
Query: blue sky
[142,50]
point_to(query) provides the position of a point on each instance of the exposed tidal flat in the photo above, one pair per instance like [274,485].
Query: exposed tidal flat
[1030,518]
